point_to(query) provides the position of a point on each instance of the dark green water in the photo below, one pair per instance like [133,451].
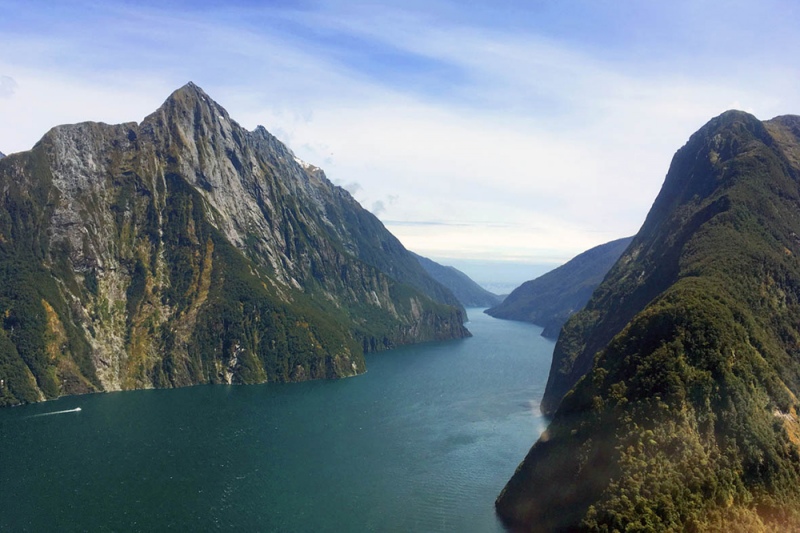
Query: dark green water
[423,442]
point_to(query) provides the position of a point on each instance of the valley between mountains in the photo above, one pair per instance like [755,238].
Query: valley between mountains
[187,250]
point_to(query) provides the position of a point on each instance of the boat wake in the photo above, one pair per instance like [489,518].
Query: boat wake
[77,409]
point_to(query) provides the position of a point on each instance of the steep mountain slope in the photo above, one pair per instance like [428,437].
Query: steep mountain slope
[549,300]
[680,377]
[2,155]
[466,291]
[186,250]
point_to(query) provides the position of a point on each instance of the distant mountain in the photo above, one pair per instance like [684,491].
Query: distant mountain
[549,300]
[468,293]
[187,250]
[2,155]
[674,392]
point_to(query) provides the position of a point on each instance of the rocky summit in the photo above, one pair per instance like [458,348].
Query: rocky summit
[186,249]
[674,392]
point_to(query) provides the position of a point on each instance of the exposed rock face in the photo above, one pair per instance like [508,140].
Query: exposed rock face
[185,250]
[549,300]
[469,293]
[674,392]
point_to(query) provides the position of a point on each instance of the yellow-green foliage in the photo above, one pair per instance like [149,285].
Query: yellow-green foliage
[160,288]
[684,369]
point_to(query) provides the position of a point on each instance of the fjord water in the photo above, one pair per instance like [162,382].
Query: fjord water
[424,441]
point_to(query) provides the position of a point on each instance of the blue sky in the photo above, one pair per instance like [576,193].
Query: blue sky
[522,132]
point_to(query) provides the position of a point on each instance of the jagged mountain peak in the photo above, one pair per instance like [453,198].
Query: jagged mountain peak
[186,249]
[191,87]
[191,95]
[190,119]
[190,108]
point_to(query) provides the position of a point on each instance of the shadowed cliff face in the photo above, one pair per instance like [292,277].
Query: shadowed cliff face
[674,392]
[693,193]
[468,293]
[550,299]
[185,250]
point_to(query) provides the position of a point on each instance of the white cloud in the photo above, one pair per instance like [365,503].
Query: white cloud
[47,99]
[352,187]
[8,86]
[378,208]
[524,147]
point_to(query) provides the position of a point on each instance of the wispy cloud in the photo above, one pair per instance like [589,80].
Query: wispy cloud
[429,223]
[7,86]
[556,124]
[353,187]
[379,206]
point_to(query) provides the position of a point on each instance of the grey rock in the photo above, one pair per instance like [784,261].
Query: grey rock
[150,230]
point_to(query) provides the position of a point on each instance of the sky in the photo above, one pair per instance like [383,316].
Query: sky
[484,134]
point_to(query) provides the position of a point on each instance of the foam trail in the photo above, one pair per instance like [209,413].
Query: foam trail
[77,409]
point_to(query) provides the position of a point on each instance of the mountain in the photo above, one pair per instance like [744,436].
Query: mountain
[186,249]
[549,300]
[466,291]
[2,155]
[674,392]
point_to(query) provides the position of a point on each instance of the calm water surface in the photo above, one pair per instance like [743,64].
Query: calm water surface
[423,442]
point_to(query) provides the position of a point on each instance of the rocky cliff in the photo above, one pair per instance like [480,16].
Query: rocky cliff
[186,250]
[674,392]
[549,300]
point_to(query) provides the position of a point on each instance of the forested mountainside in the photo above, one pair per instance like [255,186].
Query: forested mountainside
[466,291]
[549,300]
[186,249]
[673,394]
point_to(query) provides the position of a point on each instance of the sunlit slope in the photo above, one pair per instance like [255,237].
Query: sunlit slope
[186,249]
[680,377]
